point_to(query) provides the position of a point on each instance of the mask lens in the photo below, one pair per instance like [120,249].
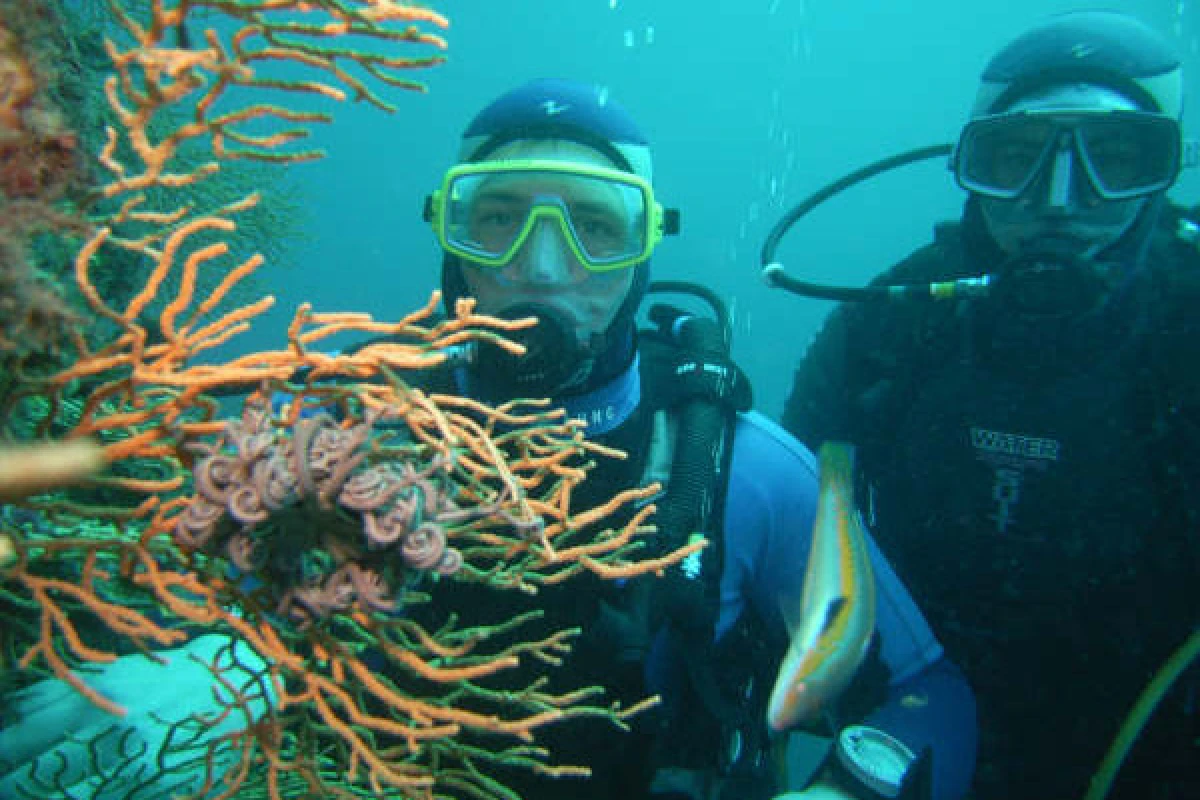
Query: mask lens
[1000,156]
[487,215]
[1128,155]
[1125,154]
[608,221]
[480,220]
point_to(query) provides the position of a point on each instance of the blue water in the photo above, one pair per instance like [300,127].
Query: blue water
[749,110]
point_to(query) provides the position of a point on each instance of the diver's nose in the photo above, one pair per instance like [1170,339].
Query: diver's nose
[544,257]
[1060,183]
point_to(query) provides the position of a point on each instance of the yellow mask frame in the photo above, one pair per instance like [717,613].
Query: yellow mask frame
[655,221]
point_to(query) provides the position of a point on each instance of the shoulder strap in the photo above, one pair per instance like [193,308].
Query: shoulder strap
[697,391]
[687,372]
[675,373]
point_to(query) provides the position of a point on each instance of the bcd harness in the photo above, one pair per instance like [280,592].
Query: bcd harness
[694,392]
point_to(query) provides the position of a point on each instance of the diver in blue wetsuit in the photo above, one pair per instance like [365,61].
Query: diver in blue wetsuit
[1032,451]
[550,212]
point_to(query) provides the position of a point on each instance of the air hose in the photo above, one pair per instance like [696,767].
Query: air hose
[777,277]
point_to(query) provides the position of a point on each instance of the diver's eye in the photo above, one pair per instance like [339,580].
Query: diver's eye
[1118,161]
[496,218]
[598,233]
[1011,163]
[494,225]
[598,227]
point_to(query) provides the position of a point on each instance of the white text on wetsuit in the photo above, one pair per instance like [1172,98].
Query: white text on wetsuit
[1012,444]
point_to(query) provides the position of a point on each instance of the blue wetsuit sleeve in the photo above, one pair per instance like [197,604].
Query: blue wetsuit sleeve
[935,709]
[769,514]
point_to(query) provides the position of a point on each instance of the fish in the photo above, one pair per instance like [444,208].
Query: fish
[830,632]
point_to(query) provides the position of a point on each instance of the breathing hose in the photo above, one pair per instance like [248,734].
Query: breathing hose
[777,277]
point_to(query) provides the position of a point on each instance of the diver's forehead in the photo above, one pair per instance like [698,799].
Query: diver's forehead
[563,150]
[1075,97]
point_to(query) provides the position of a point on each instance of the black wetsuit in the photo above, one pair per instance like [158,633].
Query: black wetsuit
[1038,489]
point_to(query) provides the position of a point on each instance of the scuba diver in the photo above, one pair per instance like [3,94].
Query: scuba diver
[1029,445]
[550,212]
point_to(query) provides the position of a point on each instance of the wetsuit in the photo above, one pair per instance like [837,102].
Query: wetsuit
[1036,486]
[769,512]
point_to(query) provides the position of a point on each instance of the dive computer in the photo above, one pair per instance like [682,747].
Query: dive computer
[871,763]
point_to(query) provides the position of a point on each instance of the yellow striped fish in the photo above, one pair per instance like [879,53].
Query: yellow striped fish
[836,618]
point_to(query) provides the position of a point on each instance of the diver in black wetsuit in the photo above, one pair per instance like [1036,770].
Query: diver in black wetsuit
[1032,455]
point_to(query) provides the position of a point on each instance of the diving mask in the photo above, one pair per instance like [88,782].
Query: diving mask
[484,212]
[1123,154]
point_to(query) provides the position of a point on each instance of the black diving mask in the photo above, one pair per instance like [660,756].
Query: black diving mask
[1123,154]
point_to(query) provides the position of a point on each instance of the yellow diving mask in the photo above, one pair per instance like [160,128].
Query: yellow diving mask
[484,212]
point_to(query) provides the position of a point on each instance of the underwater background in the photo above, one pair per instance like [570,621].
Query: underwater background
[750,106]
[749,111]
